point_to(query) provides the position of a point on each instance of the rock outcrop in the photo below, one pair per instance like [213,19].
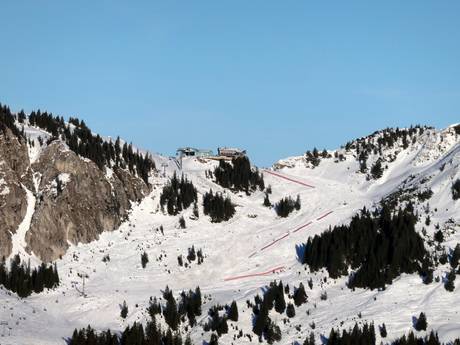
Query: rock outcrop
[76,201]
[14,173]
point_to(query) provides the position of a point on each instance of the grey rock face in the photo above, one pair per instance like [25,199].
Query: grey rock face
[75,200]
[86,203]
[14,171]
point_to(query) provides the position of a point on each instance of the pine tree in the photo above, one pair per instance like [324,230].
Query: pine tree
[182,222]
[178,195]
[214,339]
[455,256]
[297,204]
[383,331]
[381,245]
[290,310]
[191,256]
[449,285]
[310,340]
[239,175]
[267,202]
[300,297]
[376,170]
[124,310]
[456,190]
[280,303]
[233,312]
[272,332]
[285,206]
[170,312]
[438,236]
[217,207]
[421,323]
[144,259]
[261,321]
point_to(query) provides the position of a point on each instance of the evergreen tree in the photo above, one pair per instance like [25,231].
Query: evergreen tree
[144,259]
[383,331]
[310,340]
[290,310]
[438,236]
[456,190]
[233,312]
[272,332]
[239,175]
[154,308]
[261,320]
[286,205]
[178,195]
[23,280]
[197,301]
[267,202]
[124,310]
[214,339]
[449,285]
[376,170]
[191,256]
[378,246]
[421,323]
[217,207]
[300,297]
[170,312]
[313,157]
[455,257]
[280,303]
[297,204]
[182,222]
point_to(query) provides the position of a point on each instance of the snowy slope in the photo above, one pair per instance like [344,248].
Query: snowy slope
[246,245]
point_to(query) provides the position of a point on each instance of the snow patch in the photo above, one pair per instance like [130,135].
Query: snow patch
[19,238]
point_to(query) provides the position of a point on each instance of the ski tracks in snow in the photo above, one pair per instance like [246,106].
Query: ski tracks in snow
[287,234]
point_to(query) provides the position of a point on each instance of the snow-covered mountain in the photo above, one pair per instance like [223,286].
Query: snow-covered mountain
[255,247]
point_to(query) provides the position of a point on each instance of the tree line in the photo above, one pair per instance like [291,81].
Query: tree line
[218,207]
[377,141]
[286,205]
[7,120]
[23,280]
[178,195]
[378,246]
[137,334]
[274,298]
[174,313]
[314,157]
[238,175]
[81,140]
[365,335]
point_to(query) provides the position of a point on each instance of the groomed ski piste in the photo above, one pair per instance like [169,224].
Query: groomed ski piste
[246,253]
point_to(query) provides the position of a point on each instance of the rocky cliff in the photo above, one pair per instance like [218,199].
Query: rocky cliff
[75,200]
[14,177]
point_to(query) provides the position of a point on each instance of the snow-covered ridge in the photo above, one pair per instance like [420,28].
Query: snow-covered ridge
[340,189]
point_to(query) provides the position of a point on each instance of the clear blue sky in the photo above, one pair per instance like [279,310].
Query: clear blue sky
[274,77]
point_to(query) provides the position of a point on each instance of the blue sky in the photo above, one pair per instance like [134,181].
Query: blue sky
[274,77]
